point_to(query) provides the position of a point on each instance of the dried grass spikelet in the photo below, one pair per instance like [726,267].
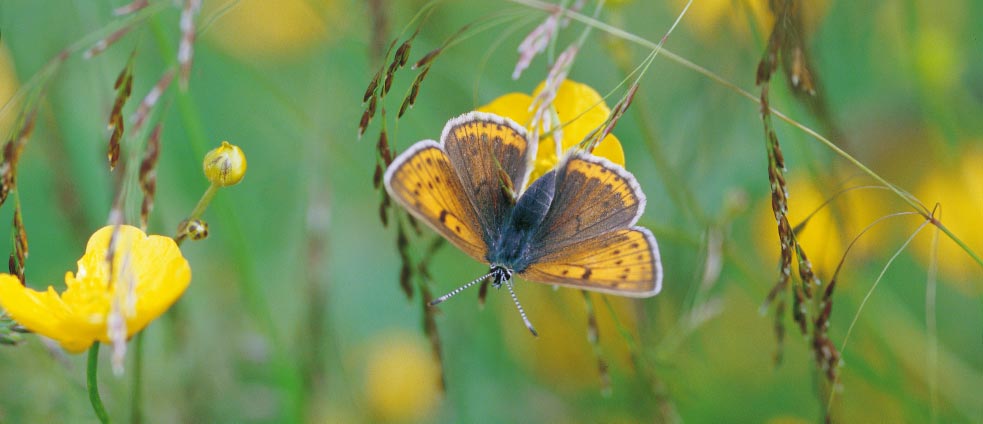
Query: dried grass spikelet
[123,87]
[185,51]
[12,153]
[150,100]
[148,176]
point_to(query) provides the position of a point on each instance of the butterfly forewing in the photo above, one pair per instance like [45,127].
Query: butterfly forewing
[423,180]
[485,150]
[593,196]
[624,262]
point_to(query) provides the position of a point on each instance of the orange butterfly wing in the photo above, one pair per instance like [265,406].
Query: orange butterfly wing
[623,262]
[423,181]
[588,239]
[485,148]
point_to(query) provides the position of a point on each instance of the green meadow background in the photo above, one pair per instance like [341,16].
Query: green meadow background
[295,313]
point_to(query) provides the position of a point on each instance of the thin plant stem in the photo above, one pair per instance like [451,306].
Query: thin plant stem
[284,370]
[618,32]
[91,380]
[931,328]
[856,317]
[203,203]
[136,402]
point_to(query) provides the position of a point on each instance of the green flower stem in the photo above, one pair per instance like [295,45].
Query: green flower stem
[93,384]
[136,406]
[285,371]
[203,203]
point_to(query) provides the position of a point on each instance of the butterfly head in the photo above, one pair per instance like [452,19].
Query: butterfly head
[499,275]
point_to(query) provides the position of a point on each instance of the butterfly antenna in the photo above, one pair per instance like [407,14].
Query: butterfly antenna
[522,312]
[460,289]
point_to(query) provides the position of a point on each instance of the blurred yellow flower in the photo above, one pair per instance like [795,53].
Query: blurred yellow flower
[149,274]
[402,380]
[562,356]
[8,87]
[580,109]
[708,17]
[272,28]
[959,190]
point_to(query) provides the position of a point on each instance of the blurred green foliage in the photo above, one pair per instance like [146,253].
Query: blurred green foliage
[295,302]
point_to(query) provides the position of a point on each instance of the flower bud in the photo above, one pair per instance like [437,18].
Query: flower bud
[225,165]
[196,229]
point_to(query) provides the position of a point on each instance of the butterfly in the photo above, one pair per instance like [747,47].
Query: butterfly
[573,226]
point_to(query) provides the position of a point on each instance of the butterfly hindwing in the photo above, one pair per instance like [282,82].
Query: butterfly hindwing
[624,262]
[593,196]
[424,182]
[492,156]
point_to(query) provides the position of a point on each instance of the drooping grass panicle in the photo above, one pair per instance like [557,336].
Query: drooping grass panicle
[148,175]
[542,36]
[150,100]
[123,87]
[185,53]
[825,352]
[12,152]
[18,258]
[131,7]
[378,14]
[593,337]
[405,266]
[104,43]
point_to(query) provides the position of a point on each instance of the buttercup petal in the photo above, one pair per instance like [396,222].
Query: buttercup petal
[76,318]
[581,110]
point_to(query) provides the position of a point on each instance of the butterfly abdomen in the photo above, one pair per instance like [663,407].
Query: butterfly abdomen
[511,249]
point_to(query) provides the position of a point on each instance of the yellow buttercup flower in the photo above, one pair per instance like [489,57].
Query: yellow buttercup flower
[580,109]
[148,276]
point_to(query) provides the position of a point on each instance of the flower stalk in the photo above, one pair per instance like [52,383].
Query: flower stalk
[92,383]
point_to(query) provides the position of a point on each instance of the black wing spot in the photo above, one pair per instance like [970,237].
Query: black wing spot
[443,216]
[457,229]
[429,161]
[416,192]
[565,272]
[619,262]
[586,275]
[436,179]
[635,245]
[616,252]
[430,185]
[419,184]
